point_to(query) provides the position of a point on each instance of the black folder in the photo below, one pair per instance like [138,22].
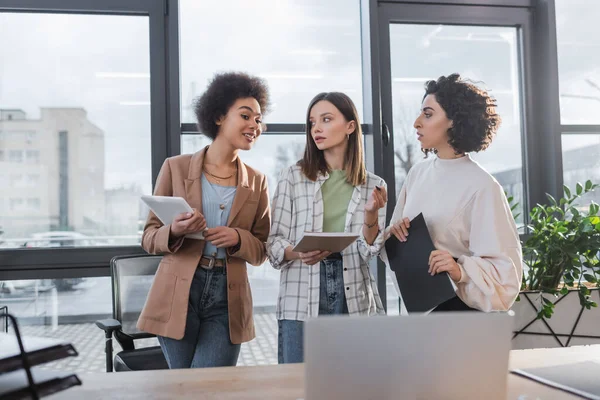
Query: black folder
[409,260]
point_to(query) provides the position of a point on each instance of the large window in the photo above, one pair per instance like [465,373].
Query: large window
[300,47]
[581,162]
[82,109]
[74,128]
[88,113]
[578,60]
[579,82]
[488,56]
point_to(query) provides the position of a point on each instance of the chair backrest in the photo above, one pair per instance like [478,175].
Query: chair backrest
[132,277]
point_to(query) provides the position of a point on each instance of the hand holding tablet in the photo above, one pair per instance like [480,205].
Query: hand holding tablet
[184,220]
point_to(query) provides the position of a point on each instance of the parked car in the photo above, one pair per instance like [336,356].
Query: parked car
[16,287]
[46,240]
[59,239]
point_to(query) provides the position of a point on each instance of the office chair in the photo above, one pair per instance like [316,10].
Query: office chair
[131,278]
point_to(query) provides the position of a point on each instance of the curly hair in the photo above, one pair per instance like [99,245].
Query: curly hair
[471,109]
[224,90]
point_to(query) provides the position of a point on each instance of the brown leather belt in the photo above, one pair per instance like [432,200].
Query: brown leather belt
[211,262]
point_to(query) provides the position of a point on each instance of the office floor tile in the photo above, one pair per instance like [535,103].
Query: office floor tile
[88,340]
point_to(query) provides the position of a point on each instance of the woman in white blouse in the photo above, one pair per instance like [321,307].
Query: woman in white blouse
[465,208]
[329,190]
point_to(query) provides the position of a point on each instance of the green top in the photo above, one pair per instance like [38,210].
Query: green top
[336,196]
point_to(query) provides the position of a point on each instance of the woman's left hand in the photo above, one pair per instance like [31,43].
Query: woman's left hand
[222,236]
[442,261]
[376,200]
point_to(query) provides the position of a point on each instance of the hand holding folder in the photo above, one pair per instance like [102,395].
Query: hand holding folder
[409,260]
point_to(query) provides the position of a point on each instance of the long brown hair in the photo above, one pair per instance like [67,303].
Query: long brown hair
[313,160]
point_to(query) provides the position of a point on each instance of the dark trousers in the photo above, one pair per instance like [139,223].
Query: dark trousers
[454,304]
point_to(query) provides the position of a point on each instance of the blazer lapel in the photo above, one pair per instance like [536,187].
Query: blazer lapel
[193,184]
[242,193]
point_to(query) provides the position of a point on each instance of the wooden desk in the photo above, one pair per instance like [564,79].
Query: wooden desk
[287,381]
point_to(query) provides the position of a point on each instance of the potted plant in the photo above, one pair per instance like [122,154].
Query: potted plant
[562,271]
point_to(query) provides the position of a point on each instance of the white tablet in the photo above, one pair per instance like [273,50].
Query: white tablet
[167,208]
[325,241]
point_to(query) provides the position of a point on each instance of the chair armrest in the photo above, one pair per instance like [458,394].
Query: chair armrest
[108,325]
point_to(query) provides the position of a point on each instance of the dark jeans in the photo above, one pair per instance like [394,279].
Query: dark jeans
[206,341]
[332,300]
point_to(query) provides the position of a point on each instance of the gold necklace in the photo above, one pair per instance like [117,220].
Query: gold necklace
[219,178]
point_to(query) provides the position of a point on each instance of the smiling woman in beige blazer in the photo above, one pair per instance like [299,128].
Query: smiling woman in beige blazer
[200,304]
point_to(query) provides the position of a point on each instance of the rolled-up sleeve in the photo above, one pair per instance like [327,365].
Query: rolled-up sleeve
[281,225]
[365,250]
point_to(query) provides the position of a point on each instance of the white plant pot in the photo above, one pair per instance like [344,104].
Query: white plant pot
[570,325]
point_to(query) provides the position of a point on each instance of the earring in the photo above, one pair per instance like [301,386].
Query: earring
[348,137]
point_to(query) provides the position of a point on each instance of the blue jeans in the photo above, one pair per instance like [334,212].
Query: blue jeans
[332,301]
[206,341]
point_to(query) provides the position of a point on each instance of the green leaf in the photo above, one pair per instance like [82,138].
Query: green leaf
[564,290]
[567,190]
[588,185]
[552,199]
[574,211]
[579,189]
[590,278]
[546,301]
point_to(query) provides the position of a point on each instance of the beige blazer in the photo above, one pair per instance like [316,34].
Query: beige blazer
[166,306]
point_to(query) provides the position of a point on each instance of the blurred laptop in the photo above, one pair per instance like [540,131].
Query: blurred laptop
[436,356]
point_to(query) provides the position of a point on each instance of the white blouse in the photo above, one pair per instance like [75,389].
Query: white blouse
[468,215]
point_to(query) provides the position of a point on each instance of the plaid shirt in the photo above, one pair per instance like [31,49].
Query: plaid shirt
[297,207]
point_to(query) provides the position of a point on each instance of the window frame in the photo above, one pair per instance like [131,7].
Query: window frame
[163,30]
[543,160]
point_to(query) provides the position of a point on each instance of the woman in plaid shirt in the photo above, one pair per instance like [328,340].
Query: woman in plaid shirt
[329,190]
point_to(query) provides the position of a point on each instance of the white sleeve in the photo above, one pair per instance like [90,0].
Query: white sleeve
[492,273]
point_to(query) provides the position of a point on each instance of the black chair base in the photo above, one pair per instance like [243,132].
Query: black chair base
[140,359]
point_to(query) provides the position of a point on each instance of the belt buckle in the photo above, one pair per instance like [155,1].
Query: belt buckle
[211,264]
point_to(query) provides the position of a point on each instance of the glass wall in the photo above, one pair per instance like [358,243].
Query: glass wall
[577,31]
[579,82]
[74,129]
[300,47]
[581,162]
[76,148]
[488,56]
